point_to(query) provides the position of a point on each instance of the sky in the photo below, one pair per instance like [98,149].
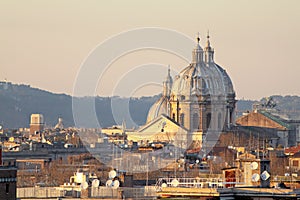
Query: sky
[45,43]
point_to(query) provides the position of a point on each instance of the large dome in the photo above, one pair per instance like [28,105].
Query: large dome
[202,82]
[202,79]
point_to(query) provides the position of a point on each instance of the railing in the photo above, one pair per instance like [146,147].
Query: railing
[193,183]
[39,192]
[147,192]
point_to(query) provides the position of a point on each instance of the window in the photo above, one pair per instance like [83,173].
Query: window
[182,119]
[295,163]
[208,119]
[219,121]
[195,121]
[173,116]
[7,188]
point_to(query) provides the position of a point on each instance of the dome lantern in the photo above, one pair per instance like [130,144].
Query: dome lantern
[197,53]
[167,84]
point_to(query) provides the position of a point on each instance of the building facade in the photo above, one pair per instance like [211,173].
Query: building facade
[8,178]
[36,123]
[287,131]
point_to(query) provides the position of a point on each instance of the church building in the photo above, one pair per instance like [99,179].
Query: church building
[197,104]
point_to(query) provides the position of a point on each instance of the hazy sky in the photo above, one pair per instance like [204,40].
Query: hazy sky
[43,43]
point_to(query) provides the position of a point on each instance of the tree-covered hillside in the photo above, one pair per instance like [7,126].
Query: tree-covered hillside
[18,102]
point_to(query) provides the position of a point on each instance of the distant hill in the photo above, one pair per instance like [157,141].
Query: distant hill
[18,102]
[289,105]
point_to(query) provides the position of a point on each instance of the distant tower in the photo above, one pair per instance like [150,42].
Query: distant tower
[123,127]
[36,123]
[6,84]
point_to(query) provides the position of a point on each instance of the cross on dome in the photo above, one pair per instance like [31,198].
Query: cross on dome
[198,38]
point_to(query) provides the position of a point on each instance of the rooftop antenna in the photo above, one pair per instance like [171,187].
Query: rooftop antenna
[258,146]
[264,144]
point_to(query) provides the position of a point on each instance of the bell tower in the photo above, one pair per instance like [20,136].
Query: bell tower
[167,84]
[209,51]
[197,53]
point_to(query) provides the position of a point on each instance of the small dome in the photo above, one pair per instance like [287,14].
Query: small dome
[158,108]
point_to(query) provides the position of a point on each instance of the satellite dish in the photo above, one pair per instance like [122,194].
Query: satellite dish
[84,185]
[255,177]
[265,175]
[254,165]
[174,182]
[95,183]
[112,174]
[116,184]
[109,183]
[164,185]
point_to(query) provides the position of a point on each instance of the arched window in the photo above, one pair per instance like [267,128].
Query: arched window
[208,120]
[173,116]
[195,121]
[182,119]
[219,121]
